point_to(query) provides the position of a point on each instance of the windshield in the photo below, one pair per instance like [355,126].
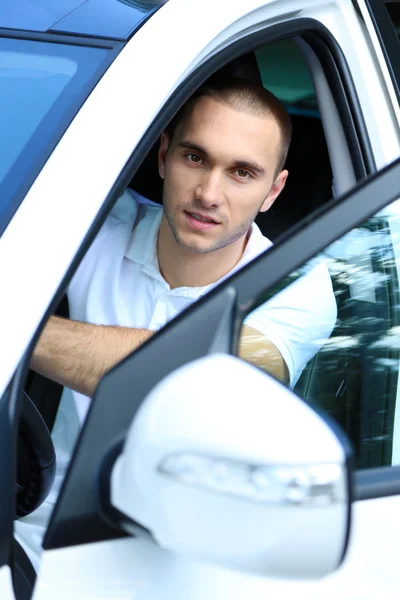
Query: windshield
[42,85]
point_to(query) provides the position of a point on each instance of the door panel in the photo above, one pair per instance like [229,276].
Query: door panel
[6,588]
[138,568]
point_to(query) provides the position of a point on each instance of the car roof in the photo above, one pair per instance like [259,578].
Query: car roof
[116,19]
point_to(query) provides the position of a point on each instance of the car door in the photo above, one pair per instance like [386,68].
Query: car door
[79,535]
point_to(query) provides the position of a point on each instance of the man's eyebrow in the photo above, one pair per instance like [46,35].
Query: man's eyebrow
[238,164]
[245,164]
[192,146]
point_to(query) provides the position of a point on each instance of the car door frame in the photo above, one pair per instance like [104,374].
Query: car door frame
[388,39]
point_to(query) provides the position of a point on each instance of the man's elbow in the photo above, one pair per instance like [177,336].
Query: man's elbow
[258,350]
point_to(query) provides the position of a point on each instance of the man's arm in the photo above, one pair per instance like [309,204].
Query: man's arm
[78,354]
[255,348]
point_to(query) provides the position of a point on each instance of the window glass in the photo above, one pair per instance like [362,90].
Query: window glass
[353,374]
[41,87]
[39,78]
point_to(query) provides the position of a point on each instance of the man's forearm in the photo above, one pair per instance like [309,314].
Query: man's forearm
[78,354]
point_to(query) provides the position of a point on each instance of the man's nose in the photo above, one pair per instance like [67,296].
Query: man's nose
[209,190]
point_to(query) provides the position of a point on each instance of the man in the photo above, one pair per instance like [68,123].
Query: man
[222,161]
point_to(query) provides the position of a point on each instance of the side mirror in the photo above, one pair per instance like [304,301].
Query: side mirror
[225,464]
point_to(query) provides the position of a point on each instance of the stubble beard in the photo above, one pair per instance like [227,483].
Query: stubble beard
[223,242]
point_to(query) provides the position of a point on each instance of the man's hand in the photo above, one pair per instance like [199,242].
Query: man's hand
[78,354]
[255,348]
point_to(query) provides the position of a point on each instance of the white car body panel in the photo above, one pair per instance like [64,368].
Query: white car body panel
[6,586]
[34,259]
[137,568]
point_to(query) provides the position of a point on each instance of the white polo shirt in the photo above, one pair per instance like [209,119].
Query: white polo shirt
[119,283]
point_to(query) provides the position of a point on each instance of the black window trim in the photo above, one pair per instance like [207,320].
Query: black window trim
[60,38]
[388,39]
[380,482]
[361,150]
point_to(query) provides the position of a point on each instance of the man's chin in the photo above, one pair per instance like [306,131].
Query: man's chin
[195,246]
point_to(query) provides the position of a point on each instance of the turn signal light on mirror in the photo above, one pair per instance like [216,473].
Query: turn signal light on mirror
[308,485]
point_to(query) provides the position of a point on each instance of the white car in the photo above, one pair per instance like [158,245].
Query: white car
[180,489]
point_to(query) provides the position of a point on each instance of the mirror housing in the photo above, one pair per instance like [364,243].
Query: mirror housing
[225,464]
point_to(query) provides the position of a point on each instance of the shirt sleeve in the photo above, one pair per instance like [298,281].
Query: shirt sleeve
[299,319]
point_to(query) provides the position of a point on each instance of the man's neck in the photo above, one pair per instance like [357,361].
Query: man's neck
[182,268]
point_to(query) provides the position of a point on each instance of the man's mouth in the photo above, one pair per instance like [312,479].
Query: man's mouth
[202,218]
[200,222]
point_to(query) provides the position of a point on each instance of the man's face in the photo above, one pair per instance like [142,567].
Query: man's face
[219,171]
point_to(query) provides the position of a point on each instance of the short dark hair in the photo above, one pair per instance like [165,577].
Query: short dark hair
[242,95]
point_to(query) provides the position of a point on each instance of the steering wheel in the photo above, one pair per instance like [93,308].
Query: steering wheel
[36,460]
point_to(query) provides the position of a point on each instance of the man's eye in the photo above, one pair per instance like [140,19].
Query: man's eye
[193,157]
[242,174]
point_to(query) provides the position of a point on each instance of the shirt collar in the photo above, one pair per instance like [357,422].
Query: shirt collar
[142,247]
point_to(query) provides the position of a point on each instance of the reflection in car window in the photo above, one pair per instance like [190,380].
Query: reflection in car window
[41,87]
[41,77]
[354,376]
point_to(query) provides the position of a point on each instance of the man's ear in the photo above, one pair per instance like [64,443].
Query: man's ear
[274,192]
[162,153]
